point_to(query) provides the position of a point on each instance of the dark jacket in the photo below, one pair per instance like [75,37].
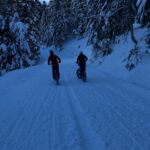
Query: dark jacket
[54,60]
[81,59]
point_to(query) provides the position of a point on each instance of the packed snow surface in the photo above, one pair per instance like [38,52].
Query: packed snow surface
[105,113]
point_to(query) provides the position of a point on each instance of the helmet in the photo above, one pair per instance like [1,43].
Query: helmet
[81,52]
[51,52]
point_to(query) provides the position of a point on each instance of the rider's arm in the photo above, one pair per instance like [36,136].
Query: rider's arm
[59,60]
[49,60]
[78,59]
[86,58]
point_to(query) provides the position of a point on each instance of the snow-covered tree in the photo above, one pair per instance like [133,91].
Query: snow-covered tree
[19,35]
[99,26]
[59,24]
[133,59]
[143,12]
[79,13]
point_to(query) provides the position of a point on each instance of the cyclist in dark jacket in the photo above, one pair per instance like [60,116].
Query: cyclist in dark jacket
[54,60]
[81,61]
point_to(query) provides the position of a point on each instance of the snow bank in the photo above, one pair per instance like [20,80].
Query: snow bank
[114,63]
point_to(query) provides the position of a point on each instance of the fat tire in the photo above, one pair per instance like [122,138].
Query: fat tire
[78,72]
[84,77]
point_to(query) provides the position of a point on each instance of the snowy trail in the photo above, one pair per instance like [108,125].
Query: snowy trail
[104,113]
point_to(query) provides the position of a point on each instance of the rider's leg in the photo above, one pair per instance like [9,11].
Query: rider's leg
[82,68]
[57,71]
[53,72]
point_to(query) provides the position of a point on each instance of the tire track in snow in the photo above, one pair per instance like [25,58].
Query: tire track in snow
[126,85]
[13,135]
[54,143]
[121,119]
[105,107]
[95,92]
[126,92]
[134,106]
[121,105]
[45,110]
[61,123]
[89,138]
[19,117]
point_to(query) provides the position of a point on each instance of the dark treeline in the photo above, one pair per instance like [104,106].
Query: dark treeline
[25,24]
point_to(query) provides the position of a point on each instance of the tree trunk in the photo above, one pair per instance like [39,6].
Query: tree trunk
[129,9]
[133,35]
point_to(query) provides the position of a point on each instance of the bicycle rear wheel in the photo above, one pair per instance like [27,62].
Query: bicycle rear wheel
[84,77]
[78,72]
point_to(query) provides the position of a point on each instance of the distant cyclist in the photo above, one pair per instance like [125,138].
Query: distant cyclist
[54,60]
[81,61]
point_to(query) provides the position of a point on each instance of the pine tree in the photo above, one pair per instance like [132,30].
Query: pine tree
[59,24]
[99,26]
[19,34]
[44,24]
[79,11]
[143,12]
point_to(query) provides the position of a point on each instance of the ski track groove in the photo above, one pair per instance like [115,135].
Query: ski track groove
[49,105]
[120,118]
[119,82]
[55,142]
[130,98]
[52,134]
[72,98]
[129,107]
[22,116]
[117,114]
[39,114]
[16,122]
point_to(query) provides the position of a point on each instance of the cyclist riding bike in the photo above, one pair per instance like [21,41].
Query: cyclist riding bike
[81,61]
[54,60]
